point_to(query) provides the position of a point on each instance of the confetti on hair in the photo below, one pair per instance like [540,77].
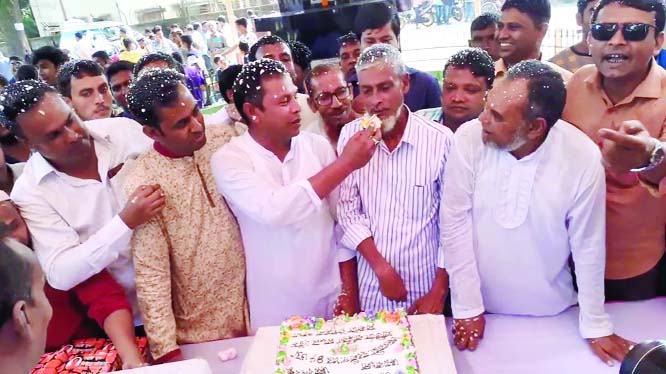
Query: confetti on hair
[247,86]
[381,53]
[153,89]
[19,98]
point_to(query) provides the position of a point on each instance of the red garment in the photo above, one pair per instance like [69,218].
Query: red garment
[80,312]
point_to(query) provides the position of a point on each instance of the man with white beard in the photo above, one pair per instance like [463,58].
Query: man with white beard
[524,192]
[389,209]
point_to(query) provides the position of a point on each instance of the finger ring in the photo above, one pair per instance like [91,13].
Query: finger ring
[134,200]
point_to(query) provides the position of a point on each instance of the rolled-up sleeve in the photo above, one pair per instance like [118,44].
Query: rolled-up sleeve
[457,254]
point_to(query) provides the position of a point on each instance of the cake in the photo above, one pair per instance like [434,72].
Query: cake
[367,343]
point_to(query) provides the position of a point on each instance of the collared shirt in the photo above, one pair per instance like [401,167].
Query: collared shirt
[571,60]
[424,90]
[509,227]
[635,220]
[74,223]
[288,231]
[189,261]
[501,69]
[395,200]
[433,114]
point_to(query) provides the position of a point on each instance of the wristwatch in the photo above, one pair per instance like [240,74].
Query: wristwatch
[656,158]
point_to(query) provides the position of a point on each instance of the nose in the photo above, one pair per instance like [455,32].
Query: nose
[457,96]
[73,136]
[502,33]
[335,102]
[295,107]
[618,38]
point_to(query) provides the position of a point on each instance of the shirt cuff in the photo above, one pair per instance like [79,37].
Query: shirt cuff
[345,254]
[354,235]
[600,327]
[468,313]
[305,184]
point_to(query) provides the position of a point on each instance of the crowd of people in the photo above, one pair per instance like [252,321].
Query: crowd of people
[518,186]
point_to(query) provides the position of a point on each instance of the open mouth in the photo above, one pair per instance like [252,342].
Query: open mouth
[616,58]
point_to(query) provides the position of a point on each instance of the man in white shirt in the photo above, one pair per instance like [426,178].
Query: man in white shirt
[70,191]
[389,210]
[524,192]
[280,184]
[274,48]
[162,44]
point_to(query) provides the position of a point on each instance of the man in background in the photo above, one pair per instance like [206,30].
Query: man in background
[483,31]
[84,87]
[578,55]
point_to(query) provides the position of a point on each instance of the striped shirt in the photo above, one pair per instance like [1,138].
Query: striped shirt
[395,200]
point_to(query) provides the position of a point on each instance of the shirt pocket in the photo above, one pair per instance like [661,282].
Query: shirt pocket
[419,199]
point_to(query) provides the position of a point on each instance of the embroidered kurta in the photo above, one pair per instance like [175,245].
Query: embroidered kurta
[189,261]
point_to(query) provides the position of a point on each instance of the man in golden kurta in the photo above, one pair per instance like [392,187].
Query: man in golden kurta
[190,267]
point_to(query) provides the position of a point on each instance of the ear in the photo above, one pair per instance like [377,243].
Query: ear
[659,43]
[312,105]
[579,19]
[152,133]
[252,112]
[543,29]
[538,128]
[405,83]
[20,320]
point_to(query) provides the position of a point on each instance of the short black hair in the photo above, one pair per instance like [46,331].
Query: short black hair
[16,274]
[265,40]
[117,67]
[152,90]
[247,86]
[477,61]
[241,22]
[537,10]
[152,57]
[196,25]
[49,53]
[244,47]
[582,4]
[348,38]
[178,57]
[26,72]
[376,15]
[226,79]
[101,54]
[484,21]
[19,98]
[301,54]
[156,28]
[216,59]
[317,71]
[546,92]
[221,19]
[77,69]
[656,6]
[15,58]
[187,39]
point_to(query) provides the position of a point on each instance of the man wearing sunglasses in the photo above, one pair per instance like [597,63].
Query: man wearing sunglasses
[330,96]
[626,90]
[520,31]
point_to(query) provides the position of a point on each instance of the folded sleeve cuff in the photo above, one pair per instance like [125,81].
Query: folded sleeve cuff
[305,184]
[354,235]
[345,254]
[601,327]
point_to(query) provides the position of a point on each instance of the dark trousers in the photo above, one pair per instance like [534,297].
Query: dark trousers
[642,287]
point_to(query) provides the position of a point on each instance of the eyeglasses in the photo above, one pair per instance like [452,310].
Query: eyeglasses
[632,32]
[326,98]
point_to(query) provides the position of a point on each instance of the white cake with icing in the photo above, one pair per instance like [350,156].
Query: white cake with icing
[367,343]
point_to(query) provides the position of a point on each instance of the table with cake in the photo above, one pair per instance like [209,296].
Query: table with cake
[390,342]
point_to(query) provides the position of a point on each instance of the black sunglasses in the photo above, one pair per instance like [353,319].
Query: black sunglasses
[632,32]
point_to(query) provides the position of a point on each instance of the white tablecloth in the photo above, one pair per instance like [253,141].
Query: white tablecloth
[515,345]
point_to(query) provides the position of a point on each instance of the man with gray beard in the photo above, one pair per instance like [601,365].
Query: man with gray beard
[389,209]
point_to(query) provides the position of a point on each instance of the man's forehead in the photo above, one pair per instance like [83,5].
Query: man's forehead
[455,74]
[617,12]
[328,79]
[378,70]
[48,112]
[88,81]
[273,49]
[508,92]
[278,85]
[490,30]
